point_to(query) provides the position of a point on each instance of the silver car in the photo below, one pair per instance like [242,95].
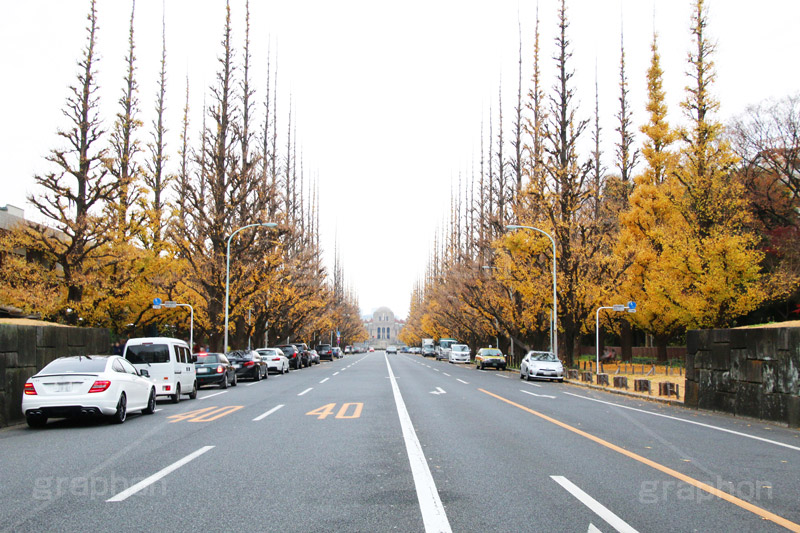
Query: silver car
[542,365]
[459,353]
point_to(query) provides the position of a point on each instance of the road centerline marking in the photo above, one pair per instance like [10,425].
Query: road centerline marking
[305,391]
[133,489]
[763,513]
[462,381]
[324,380]
[265,415]
[433,514]
[335,373]
[709,426]
[599,509]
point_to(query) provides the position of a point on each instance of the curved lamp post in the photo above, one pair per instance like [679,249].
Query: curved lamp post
[228,273]
[554,317]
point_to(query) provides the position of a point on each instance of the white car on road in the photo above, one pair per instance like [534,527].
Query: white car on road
[543,365]
[459,353]
[276,361]
[87,385]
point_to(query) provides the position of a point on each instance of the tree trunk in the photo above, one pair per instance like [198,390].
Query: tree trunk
[626,341]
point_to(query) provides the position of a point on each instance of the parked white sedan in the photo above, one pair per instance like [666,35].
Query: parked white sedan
[543,365]
[276,361]
[87,385]
[459,353]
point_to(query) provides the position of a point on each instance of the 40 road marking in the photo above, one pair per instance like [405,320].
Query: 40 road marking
[327,410]
[206,414]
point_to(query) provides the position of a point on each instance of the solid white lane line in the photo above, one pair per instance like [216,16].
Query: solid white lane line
[305,391]
[335,373]
[212,395]
[433,515]
[462,381]
[688,422]
[603,512]
[324,380]
[133,489]
[539,395]
[265,415]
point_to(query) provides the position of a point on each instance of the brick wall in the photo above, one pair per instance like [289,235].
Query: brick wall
[24,350]
[746,372]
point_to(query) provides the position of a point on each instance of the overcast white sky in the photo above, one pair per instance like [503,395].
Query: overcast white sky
[388,96]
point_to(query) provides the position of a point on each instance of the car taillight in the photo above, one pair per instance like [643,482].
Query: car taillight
[248,363]
[100,386]
[29,389]
[220,370]
[276,358]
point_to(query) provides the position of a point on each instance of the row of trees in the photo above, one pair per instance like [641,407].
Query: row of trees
[699,224]
[127,228]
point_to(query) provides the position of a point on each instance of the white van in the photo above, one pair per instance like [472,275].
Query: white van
[169,363]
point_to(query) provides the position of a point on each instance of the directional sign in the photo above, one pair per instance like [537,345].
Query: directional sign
[631,307]
[156,301]
[618,307]
[170,305]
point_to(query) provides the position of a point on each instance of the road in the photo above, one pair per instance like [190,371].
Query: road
[400,443]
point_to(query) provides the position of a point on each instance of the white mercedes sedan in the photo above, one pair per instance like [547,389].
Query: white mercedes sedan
[105,385]
[276,361]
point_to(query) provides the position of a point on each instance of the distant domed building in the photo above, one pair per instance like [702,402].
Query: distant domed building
[383,328]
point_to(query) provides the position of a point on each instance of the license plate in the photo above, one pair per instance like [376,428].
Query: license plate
[202,371]
[63,387]
[237,366]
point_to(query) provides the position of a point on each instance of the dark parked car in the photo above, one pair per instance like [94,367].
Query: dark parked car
[294,355]
[248,364]
[325,351]
[305,356]
[215,369]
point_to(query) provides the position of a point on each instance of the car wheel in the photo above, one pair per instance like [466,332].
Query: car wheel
[224,383]
[36,421]
[235,380]
[257,376]
[527,377]
[193,394]
[521,375]
[266,373]
[151,403]
[283,369]
[122,410]
[176,398]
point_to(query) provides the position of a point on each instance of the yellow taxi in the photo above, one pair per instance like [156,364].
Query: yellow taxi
[490,357]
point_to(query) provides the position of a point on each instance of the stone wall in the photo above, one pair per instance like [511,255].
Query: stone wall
[746,372]
[24,350]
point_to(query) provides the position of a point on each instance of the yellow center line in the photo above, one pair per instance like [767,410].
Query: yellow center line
[763,513]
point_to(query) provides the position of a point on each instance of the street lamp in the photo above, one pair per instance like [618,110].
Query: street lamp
[554,317]
[631,308]
[228,273]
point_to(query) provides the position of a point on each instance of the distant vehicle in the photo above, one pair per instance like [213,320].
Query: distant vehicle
[459,353]
[391,349]
[87,385]
[313,357]
[543,365]
[348,349]
[337,352]
[371,349]
[428,348]
[415,350]
[248,364]
[305,358]
[276,360]
[443,350]
[325,351]
[490,357]
[169,363]
[214,369]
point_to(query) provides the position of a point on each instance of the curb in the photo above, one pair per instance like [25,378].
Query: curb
[611,390]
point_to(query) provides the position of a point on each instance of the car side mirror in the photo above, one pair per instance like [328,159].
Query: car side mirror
[144,373]
[194,358]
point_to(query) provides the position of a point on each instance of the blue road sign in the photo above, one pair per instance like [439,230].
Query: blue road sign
[156,301]
[632,306]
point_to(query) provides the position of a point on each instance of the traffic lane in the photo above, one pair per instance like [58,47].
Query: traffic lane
[491,469]
[647,486]
[329,474]
[81,457]
[753,470]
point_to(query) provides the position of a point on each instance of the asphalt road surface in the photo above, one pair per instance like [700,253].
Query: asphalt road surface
[401,443]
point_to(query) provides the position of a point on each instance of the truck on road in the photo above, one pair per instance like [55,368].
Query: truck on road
[428,348]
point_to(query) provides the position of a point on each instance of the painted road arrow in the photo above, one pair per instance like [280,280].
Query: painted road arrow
[438,390]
